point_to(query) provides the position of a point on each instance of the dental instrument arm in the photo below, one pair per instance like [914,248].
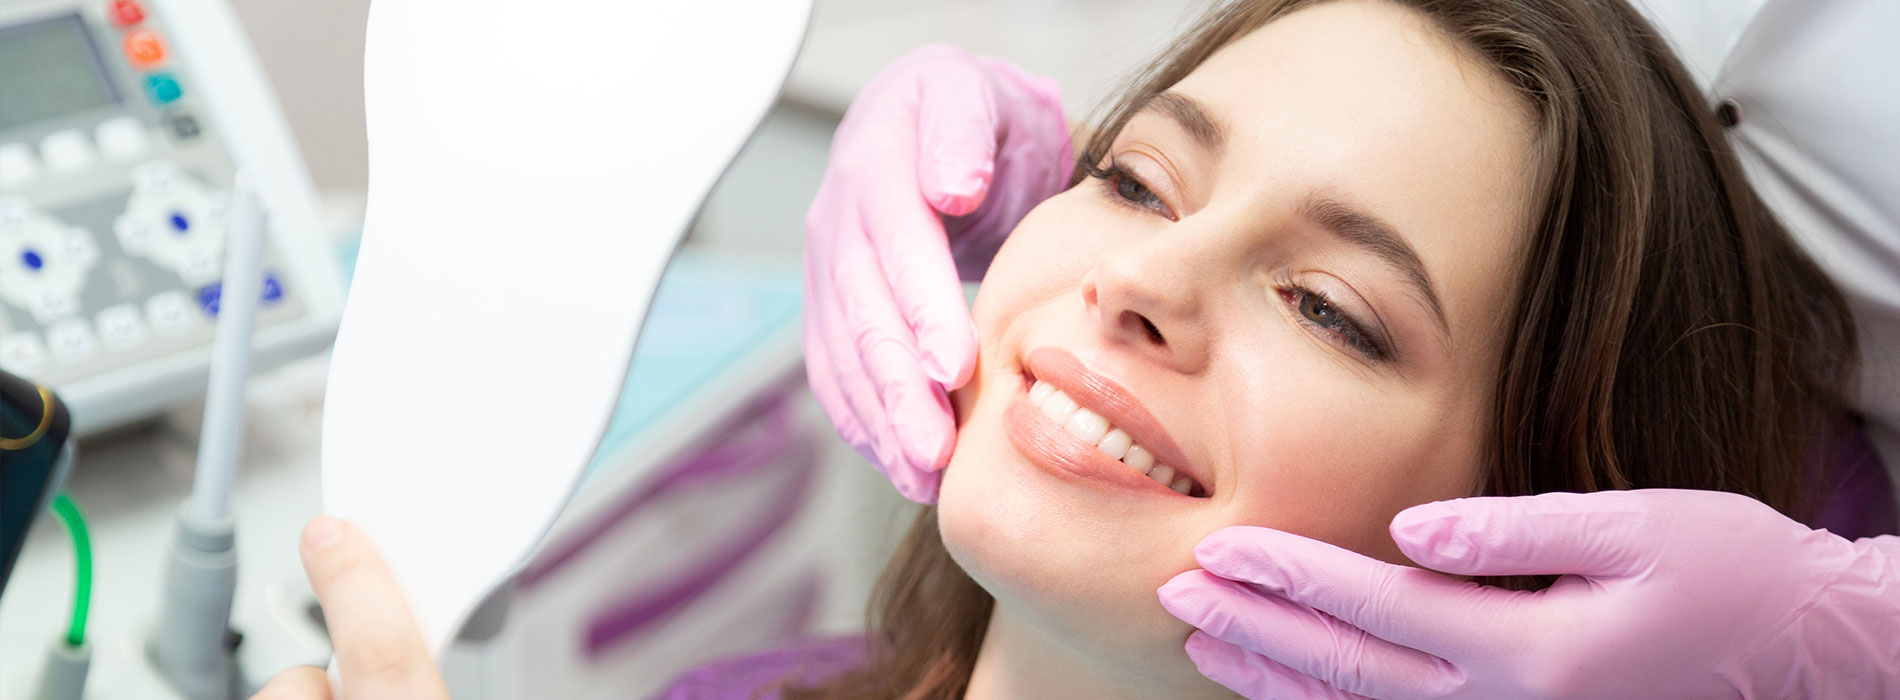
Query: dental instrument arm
[935,162]
[1670,594]
[193,644]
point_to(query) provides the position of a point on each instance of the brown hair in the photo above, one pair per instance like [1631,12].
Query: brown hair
[1668,332]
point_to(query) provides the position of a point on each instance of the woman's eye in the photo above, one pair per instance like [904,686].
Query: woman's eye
[1320,312]
[1123,185]
[1127,187]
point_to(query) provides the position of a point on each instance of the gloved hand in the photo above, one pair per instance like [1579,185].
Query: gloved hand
[887,332]
[1670,594]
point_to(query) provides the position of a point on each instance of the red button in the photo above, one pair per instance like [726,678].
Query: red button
[126,13]
[143,48]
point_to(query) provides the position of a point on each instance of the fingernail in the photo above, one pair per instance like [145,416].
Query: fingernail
[960,192]
[1434,529]
[936,370]
[322,532]
[920,490]
[1177,600]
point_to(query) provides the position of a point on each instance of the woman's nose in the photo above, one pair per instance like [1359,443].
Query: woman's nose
[1151,305]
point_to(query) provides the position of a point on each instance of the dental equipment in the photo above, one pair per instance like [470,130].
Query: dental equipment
[193,645]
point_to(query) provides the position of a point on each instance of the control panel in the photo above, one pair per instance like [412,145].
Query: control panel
[115,176]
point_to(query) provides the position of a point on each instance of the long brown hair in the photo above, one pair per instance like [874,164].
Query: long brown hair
[1668,331]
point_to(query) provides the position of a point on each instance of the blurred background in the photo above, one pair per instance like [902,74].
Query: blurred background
[722,515]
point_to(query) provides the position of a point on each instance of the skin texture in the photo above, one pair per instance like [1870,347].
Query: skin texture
[379,650]
[1359,101]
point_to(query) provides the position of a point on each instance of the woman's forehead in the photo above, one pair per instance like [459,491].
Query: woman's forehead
[1366,67]
[1370,101]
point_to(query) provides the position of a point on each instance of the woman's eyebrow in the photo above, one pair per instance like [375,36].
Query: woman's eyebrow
[1184,110]
[1368,232]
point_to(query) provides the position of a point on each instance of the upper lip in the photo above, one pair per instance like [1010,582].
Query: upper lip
[1096,392]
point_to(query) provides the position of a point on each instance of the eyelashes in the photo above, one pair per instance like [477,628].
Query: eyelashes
[1312,308]
[1318,312]
[1125,188]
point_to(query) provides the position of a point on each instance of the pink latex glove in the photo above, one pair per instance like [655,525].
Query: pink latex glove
[1669,594]
[938,133]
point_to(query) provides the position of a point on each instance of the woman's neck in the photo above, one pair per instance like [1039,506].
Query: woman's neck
[1019,661]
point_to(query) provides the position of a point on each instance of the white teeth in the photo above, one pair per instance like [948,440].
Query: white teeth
[1162,474]
[1115,443]
[1087,426]
[1093,428]
[1141,459]
[1059,408]
[1040,392]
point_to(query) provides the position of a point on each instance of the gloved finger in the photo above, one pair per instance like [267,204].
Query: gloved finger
[1256,677]
[827,381]
[838,389]
[1598,534]
[956,136]
[1408,606]
[297,683]
[914,422]
[914,253]
[1306,640]
[379,651]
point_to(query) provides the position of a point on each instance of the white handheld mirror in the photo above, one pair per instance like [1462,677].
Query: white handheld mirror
[533,165]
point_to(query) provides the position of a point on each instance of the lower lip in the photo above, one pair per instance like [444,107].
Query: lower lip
[1049,446]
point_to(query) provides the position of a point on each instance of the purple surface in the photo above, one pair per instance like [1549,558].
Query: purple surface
[761,675]
[623,621]
[713,464]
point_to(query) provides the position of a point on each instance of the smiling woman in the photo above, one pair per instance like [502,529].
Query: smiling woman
[1323,261]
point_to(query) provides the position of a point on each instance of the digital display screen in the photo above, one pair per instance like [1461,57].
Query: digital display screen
[48,69]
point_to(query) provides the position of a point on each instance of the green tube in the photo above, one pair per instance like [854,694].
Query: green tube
[82,556]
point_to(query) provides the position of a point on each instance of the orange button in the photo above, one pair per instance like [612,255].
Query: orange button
[143,48]
[125,13]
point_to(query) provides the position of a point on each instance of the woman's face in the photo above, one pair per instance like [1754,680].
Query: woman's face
[1291,288]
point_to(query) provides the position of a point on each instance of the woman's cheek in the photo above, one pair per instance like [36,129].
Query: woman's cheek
[1337,471]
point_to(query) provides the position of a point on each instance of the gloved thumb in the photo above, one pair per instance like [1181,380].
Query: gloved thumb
[1597,534]
[956,136]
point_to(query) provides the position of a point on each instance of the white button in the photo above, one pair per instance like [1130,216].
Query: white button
[71,341]
[21,352]
[12,213]
[77,246]
[52,303]
[122,138]
[17,166]
[135,234]
[120,327]
[171,313]
[66,151]
[199,267]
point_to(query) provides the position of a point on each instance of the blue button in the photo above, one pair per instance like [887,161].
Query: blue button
[273,292]
[163,88]
[180,223]
[32,259]
[208,298]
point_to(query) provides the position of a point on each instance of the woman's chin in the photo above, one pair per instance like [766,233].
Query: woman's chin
[1050,555]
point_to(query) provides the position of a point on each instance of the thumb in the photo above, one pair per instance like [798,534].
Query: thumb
[956,135]
[379,651]
[1596,534]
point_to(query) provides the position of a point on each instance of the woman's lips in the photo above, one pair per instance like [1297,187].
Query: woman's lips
[1050,444]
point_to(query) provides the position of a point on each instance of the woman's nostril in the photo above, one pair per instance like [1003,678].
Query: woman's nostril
[1154,333]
